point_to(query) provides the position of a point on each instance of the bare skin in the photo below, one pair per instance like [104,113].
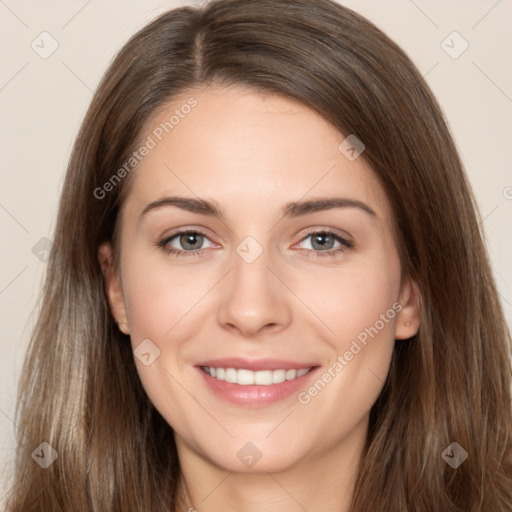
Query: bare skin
[251,154]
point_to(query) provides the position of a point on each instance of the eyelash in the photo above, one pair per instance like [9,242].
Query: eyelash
[345,244]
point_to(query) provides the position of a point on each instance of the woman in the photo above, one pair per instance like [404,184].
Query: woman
[268,288]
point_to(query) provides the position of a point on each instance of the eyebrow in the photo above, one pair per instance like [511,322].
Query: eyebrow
[316,205]
[190,204]
[293,209]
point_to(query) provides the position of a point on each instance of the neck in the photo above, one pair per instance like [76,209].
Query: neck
[320,482]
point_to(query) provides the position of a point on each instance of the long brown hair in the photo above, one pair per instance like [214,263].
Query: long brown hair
[80,391]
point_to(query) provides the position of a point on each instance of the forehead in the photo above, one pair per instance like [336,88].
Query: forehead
[240,146]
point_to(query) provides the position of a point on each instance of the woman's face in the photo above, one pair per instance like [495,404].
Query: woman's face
[266,340]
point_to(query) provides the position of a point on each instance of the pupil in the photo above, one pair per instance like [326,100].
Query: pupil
[322,240]
[190,239]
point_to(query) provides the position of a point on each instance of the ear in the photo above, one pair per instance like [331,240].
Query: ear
[408,318]
[113,287]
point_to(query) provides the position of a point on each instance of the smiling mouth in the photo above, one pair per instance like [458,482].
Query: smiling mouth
[245,377]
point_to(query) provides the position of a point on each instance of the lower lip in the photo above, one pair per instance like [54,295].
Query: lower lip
[253,395]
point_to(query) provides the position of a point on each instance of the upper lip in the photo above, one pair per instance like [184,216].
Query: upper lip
[255,364]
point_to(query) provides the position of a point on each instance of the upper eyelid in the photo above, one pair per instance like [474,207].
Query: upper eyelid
[346,241]
[167,239]
[336,232]
[183,230]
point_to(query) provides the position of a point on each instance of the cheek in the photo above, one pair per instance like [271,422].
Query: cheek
[163,301]
[362,303]
[159,295]
[362,312]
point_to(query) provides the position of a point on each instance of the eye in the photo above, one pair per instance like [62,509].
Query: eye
[184,243]
[191,243]
[326,243]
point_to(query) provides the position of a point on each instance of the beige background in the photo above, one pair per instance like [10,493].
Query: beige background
[43,101]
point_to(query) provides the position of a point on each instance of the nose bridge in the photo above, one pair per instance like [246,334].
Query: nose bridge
[253,298]
[252,286]
[251,273]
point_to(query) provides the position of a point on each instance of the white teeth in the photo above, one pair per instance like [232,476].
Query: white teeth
[263,378]
[278,376]
[245,377]
[291,374]
[231,375]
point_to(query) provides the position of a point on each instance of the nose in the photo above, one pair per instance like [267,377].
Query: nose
[253,298]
